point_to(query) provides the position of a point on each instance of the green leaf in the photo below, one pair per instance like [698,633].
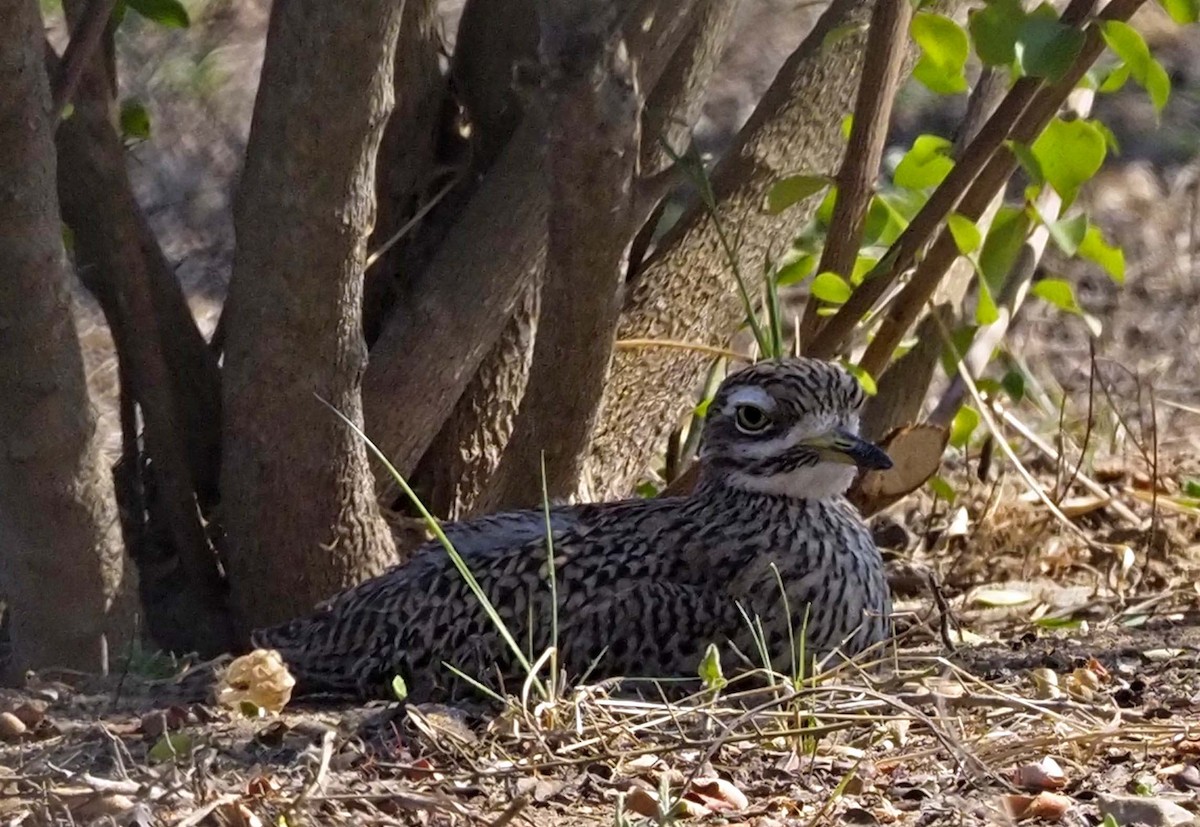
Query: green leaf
[1098,251]
[169,13]
[793,189]
[964,424]
[169,747]
[1013,383]
[847,126]
[884,223]
[1003,244]
[702,408]
[1128,44]
[399,688]
[965,233]
[1068,233]
[865,379]
[1028,162]
[1191,488]
[646,490]
[135,121]
[250,709]
[1069,154]
[825,208]
[797,270]
[926,164]
[831,288]
[710,669]
[1059,293]
[943,489]
[863,265]
[1115,79]
[1182,11]
[1045,46]
[986,311]
[1058,622]
[994,29]
[944,49]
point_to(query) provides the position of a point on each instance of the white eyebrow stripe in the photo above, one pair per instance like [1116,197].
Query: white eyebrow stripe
[749,395]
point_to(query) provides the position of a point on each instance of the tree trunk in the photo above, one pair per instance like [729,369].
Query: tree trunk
[495,37]
[686,291]
[453,312]
[407,155]
[61,566]
[593,162]
[166,368]
[298,500]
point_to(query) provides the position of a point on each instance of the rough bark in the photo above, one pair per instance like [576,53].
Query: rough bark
[495,37]
[61,568]
[407,154]
[686,290]
[423,362]
[298,502]
[166,367]
[591,163]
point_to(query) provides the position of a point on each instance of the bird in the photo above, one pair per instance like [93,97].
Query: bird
[764,554]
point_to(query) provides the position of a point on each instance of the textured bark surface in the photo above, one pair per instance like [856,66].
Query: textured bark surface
[592,147]
[61,566]
[407,155]
[422,363]
[166,366]
[495,38]
[298,502]
[686,291]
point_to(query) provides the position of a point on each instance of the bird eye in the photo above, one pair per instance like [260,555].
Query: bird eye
[750,419]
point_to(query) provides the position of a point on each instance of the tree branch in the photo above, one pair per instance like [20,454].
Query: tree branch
[907,306]
[887,43]
[978,156]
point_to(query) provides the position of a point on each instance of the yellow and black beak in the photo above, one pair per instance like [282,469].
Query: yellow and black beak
[842,446]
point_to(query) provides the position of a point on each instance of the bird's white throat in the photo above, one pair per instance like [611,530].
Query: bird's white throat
[818,482]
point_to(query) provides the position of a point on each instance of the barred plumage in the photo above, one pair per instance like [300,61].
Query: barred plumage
[643,585]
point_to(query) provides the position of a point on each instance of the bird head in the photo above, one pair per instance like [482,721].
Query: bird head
[788,427]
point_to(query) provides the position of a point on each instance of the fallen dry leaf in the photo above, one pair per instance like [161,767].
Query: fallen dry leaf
[1044,805]
[11,727]
[1044,775]
[718,795]
[260,678]
[645,802]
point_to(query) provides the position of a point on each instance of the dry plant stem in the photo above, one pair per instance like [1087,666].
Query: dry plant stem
[1047,450]
[1012,117]
[1032,483]
[86,35]
[887,44]
[991,179]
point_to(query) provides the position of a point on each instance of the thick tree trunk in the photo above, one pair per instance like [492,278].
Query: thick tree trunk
[298,499]
[425,359]
[686,292]
[592,150]
[61,566]
[495,37]
[166,367]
